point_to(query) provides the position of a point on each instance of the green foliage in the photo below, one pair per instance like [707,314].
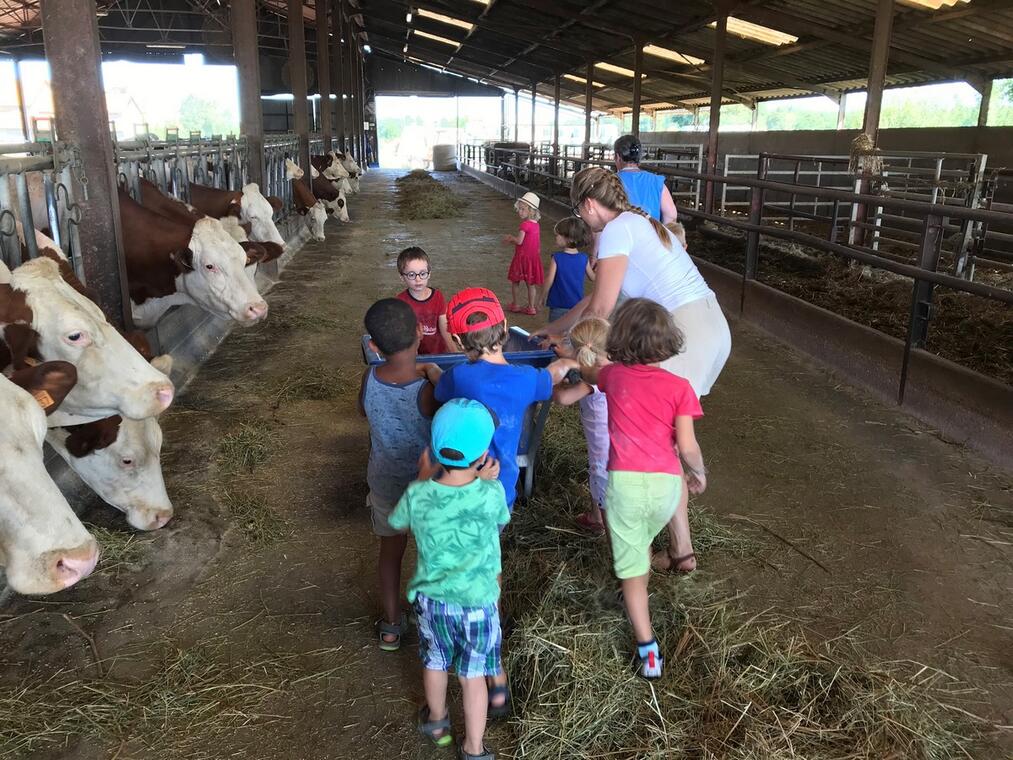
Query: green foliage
[207,116]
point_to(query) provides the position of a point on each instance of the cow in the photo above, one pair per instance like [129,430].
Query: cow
[43,546]
[333,199]
[306,204]
[332,169]
[249,205]
[170,262]
[45,315]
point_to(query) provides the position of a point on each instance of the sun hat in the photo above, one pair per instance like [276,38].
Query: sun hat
[531,199]
[462,431]
[468,302]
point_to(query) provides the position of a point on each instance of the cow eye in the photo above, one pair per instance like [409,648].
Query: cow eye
[127,461]
[209,267]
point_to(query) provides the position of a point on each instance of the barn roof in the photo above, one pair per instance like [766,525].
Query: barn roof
[794,47]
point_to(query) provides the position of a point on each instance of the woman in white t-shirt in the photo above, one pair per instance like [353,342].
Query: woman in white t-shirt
[639,258]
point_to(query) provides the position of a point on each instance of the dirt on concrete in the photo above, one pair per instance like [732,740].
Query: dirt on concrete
[864,520]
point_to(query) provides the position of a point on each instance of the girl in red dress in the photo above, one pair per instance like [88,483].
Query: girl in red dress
[526,266]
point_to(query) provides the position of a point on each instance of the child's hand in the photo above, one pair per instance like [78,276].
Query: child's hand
[427,468]
[489,469]
[563,349]
[430,372]
[510,239]
[697,481]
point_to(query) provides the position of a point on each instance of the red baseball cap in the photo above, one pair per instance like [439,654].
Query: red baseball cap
[468,302]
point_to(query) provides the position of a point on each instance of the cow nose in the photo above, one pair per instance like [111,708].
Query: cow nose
[149,519]
[256,310]
[164,394]
[71,566]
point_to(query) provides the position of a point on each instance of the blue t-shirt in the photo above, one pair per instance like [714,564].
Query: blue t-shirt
[508,390]
[568,287]
[643,189]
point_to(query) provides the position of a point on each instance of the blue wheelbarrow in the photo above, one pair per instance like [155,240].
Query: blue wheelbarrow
[520,348]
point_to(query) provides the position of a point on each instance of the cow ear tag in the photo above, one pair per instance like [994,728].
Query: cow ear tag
[43,398]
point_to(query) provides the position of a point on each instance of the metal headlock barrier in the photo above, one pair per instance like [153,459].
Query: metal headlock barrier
[39,185]
[933,218]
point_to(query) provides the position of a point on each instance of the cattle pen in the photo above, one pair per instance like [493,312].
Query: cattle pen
[188,561]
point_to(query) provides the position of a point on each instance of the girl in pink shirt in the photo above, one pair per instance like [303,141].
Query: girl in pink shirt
[526,265]
[650,423]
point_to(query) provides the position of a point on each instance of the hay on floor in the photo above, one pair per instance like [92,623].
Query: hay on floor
[420,196]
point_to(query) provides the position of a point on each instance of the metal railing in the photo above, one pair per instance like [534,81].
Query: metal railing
[39,185]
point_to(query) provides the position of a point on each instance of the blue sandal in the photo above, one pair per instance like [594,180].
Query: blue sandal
[384,628]
[503,710]
[437,731]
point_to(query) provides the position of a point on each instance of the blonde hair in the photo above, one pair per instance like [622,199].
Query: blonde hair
[604,186]
[590,338]
[530,211]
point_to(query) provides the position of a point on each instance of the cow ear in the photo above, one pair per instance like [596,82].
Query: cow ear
[276,202]
[235,209]
[183,259]
[301,211]
[341,202]
[271,250]
[328,210]
[49,382]
[247,227]
[163,364]
[82,440]
[254,252]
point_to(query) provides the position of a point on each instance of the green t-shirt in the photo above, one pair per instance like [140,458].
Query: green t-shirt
[456,531]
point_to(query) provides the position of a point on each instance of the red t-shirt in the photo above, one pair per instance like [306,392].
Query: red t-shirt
[643,403]
[428,313]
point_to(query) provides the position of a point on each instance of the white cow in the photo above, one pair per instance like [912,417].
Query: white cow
[43,546]
[45,310]
[306,204]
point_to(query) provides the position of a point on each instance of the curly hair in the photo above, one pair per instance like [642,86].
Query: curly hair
[605,187]
[643,333]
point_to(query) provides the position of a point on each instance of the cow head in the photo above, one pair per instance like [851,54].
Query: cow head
[339,207]
[214,277]
[315,218]
[258,211]
[292,170]
[43,546]
[335,171]
[121,461]
[112,378]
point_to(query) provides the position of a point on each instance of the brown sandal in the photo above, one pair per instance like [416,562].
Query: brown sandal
[664,562]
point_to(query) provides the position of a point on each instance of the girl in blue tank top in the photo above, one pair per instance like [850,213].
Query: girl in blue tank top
[564,283]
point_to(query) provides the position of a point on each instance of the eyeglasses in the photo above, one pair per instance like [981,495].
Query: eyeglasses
[416,275]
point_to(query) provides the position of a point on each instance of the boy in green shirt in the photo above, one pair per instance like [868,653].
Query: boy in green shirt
[456,518]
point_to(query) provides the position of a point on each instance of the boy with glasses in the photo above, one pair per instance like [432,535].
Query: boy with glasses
[428,304]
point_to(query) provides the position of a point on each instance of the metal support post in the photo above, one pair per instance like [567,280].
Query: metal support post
[338,59]
[297,73]
[588,92]
[502,116]
[517,113]
[921,295]
[842,110]
[324,72]
[531,147]
[555,126]
[717,84]
[70,33]
[362,106]
[986,101]
[638,65]
[246,55]
[19,92]
[350,47]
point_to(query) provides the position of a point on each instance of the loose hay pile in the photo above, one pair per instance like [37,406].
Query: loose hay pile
[735,686]
[420,196]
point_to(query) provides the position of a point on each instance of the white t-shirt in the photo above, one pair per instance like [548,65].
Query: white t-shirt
[668,277]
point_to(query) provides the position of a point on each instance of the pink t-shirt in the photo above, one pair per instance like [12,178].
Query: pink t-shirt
[643,403]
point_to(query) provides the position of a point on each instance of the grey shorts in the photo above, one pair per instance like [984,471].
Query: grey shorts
[379,512]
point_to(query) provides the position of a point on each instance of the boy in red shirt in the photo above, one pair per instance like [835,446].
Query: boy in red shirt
[650,422]
[427,303]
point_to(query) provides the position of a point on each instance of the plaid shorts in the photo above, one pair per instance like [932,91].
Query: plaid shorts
[467,639]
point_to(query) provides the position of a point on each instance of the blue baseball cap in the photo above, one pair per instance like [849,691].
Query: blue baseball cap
[462,431]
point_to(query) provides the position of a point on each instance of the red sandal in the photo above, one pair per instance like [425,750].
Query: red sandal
[591,526]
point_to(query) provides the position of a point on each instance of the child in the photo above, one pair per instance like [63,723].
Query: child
[650,419]
[398,400]
[427,303]
[456,518]
[526,265]
[564,284]
[588,339]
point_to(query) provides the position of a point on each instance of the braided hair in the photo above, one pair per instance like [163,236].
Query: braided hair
[604,186]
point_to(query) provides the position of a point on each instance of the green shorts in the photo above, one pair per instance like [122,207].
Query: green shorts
[639,505]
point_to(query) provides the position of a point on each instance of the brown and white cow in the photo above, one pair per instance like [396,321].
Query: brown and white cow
[333,198]
[171,262]
[43,546]
[305,202]
[46,316]
[249,205]
[333,170]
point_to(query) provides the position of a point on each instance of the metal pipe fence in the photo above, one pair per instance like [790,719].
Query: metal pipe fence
[39,187]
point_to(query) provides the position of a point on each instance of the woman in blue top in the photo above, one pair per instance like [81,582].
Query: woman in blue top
[644,189]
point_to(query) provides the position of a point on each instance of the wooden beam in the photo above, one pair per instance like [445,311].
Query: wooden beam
[588,93]
[638,65]
[246,55]
[877,68]
[324,71]
[717,73]
[986,101]
[337,61]
[297,75]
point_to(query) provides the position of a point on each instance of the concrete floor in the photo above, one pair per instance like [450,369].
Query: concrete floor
[914,534]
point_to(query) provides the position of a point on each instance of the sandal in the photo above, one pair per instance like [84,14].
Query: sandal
[531,311]
[664,562]
[514,309]
[503,710]
[437,731]
[383,628]
[486,754]
[591,526]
